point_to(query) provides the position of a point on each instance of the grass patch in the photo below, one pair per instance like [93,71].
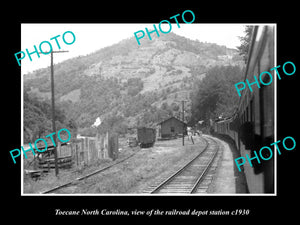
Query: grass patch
[137,173]
[49,180]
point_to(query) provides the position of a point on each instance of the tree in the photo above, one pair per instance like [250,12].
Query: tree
[164,106]
[37,118]
[175,107]
[245,43]
[215,95]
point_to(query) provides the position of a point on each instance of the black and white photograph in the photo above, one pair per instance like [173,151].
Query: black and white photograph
[135,114]
[166,111]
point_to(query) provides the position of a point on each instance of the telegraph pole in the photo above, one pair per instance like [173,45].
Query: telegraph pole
[183,130]
[53,110]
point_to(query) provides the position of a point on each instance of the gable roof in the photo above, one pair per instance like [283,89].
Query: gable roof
[172,117]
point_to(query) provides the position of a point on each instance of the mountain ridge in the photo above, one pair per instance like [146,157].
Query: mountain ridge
[129,81]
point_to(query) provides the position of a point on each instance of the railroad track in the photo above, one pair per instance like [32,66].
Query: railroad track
[85,176]
[187,179]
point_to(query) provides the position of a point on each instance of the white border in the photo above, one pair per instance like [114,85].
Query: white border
[275,113]
[158,195]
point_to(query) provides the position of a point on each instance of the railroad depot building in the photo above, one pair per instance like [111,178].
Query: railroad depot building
[171,127]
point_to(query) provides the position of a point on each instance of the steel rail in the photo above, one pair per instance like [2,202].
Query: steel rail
[170,178]
[194,188]
[86,176]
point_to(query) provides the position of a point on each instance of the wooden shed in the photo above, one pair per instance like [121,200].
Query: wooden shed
[171,127]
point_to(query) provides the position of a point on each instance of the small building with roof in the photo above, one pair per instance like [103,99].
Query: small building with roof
[171,127]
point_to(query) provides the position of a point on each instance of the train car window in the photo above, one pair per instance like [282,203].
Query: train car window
[265,53]
[242,118]
[259,33]
[256,111]
[268,111]
[251,111]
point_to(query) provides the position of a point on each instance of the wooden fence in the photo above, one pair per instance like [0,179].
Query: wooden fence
[85,151]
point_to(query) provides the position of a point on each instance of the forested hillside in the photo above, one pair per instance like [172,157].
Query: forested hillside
[38,118]
[215,96]
[127,85]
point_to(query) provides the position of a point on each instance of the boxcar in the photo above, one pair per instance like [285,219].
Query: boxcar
[146,137]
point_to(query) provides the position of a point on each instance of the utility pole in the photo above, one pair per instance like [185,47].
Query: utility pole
[183,129]
[53,109]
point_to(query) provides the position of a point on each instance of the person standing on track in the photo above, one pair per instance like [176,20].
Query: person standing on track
[190,134]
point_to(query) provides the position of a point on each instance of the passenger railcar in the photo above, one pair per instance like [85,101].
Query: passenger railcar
[252,125]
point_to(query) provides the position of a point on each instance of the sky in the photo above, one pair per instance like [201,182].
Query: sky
[92,37]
